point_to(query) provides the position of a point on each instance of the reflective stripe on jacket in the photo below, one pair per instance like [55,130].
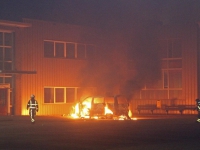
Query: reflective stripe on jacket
[32,104]
[198,105]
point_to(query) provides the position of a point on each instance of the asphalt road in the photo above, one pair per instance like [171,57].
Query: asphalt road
[147,133]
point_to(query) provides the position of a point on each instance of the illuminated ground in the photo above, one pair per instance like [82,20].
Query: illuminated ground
[169,133]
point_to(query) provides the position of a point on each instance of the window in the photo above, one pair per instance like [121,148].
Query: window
[48,95]
[48,49]
[8,54]
[172,64]
[170,85]
[60,94]
[70,95]
[6,50]
[65,94]
[6,79]
[7,66]
[80,51]
[59,50]
[68,50]
[8,39]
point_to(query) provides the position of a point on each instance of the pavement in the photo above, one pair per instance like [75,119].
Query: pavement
[147,132]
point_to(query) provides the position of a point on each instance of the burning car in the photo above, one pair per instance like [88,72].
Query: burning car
[111,107]
[119,105]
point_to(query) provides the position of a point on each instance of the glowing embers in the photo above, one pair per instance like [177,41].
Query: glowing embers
[121,117]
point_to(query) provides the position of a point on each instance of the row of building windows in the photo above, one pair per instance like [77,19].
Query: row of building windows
[59,95]
[171,52]
[53,95]
[68,50]
[169,86]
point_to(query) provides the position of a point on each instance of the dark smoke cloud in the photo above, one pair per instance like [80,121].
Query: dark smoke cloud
[103,71]
[108,69]
[144,53]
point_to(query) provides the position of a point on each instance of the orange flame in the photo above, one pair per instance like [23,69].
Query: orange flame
[107,110]
[76,110]
[81,110]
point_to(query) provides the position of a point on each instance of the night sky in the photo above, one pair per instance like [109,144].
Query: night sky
[102,13]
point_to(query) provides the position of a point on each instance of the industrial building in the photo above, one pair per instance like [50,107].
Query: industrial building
[54,62]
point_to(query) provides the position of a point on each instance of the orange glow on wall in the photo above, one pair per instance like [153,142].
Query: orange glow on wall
[25,112]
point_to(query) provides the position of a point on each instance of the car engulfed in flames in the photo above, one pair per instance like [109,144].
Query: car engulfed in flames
[112,107]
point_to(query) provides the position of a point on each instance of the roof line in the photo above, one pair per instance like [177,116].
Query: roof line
[14,24]
[17,72]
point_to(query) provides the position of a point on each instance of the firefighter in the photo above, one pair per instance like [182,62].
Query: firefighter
[33,107]
[198,109]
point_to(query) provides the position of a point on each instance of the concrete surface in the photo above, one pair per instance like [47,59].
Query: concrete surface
[150,132]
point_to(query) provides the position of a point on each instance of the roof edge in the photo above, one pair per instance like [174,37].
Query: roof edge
[14,24]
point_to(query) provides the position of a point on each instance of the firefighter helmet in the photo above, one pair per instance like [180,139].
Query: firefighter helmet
[32,96]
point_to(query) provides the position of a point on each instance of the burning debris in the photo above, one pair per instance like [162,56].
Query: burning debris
[113,107]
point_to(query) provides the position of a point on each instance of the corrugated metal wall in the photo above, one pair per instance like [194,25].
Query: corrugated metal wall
[190,65]
[62,72]
[50,71]
[188,36]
